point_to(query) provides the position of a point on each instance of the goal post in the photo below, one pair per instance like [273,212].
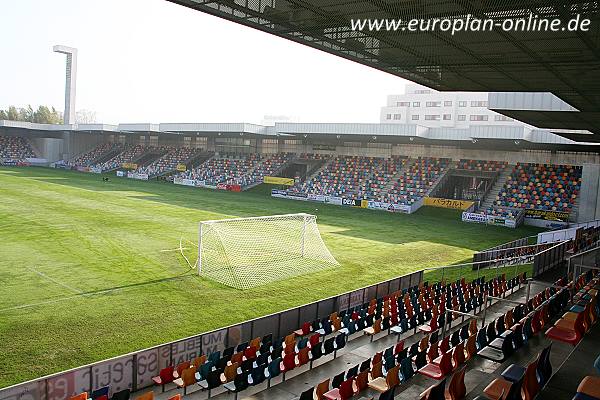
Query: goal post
[248,252]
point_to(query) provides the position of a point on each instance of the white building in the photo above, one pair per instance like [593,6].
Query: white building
[430,108]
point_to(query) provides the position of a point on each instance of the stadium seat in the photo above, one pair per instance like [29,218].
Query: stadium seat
[439,368]
[188,378]
[590,386]
[164,376]
[121,395]
[307,394]
[146,396]
[390,381]
[82,396]
[100,394]
[435,392]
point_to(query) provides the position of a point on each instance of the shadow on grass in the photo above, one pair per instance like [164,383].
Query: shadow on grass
[434,225]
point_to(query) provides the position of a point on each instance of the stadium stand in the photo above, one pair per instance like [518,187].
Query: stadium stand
[481,165]
[15,148]
[351,176]
[243,170]
[87,159]
[168,162]
[416,180]
[128,155]
[541,187]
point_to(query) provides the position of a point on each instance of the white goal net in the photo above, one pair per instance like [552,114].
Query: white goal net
[248,252]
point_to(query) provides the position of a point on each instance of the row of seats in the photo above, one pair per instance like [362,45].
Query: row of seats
[416,180]
[541,187]
[575,323]
[243,170]
[169,161]
[481,165]
[353,177]
[397,364]
[87,159]
[15,148]
[269,166]
[497,341]
[128,155]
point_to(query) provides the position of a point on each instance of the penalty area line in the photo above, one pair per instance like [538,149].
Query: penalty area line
[54,280]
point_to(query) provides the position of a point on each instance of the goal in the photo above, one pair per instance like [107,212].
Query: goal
[248,252]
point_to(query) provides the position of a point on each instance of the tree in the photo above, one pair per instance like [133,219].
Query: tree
[12,114]
[43,115]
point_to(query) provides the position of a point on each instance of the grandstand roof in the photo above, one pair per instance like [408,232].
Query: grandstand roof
[491,136]
[562,64]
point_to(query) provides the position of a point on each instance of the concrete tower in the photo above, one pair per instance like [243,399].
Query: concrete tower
[71,81]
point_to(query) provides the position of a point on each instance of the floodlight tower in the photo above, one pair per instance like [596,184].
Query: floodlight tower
[71,80]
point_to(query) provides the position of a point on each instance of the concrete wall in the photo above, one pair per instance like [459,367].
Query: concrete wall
[49,148]
[589,203]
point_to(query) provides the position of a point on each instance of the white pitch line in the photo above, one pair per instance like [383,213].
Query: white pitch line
[55,281]
[177,249]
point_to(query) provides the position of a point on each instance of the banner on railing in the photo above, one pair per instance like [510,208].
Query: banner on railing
[181,167]
[129,165]
[447,203]
[276,180]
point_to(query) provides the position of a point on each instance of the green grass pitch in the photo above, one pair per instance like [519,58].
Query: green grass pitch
[88,269]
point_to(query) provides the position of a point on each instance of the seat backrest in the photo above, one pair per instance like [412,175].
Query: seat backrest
[457,389]
[347,389]
[321,389]
[182,366]
[213,379]
[122,395]
[387,395]
[458,355]
[530,386]
[337,380]
[83,396]
[376,371]
[175,397]
[437,391]
[508,347]
[230,372]
[362,380]
[146,396]
[446,362]
[188,376]
[392,379]
[307,394]
[471,346]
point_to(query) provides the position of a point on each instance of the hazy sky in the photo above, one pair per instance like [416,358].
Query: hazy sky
[154,61]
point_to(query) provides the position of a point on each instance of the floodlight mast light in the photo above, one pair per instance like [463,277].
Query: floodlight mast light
[71,80]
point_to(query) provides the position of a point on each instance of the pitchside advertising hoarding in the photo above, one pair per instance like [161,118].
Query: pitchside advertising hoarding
[339,201]
[547,215]
[135,175]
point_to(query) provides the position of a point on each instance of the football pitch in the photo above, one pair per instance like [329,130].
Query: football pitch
[91,269]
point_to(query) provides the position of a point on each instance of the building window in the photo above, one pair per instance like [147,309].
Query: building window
[447,117]
[462,103]
[447,104]
[432,118]
[462,117]
[433,104]
[415,117]
[479,103]
[422,91]
[416,104]
[478,117]
[502,118]
[403,104]
[397,116]
[389,116]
